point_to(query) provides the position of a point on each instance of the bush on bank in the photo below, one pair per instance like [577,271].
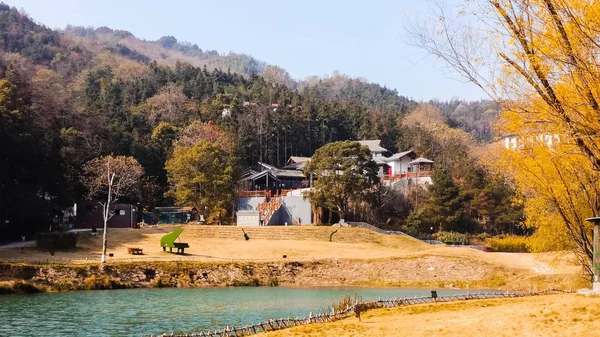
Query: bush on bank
[510,244]
[56,240]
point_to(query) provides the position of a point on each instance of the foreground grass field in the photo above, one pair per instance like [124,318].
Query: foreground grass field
[553,315]
[227,243]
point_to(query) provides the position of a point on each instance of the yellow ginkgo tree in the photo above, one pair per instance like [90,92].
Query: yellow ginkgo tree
[539,59]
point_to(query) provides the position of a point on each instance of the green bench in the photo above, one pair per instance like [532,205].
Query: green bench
[168,241]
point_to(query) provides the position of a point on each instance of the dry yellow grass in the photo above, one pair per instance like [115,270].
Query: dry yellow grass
[228,244]
[555,315]
[382,260]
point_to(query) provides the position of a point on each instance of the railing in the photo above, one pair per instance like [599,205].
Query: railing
[266,193]
[407,175]
[356,309]
[252,193]
[431,242]
[268,208]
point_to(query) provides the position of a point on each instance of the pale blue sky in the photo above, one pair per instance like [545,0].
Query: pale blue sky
[306,37]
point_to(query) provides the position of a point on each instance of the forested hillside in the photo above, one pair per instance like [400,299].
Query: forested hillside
[72,96]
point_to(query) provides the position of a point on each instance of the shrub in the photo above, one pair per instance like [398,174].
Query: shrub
[101,282]
[478,239]
[163,282]
[5,288]
[63,286]
[56,240]
[26,288]
[95,283]
[511,244]
[158,283]
[19,287]
[253,282]
[452,238]
[345,302]
[273,282]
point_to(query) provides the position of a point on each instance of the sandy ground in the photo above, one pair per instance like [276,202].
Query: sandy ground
[228,244]
[554,315]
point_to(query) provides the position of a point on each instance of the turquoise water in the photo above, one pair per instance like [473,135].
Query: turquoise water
[139,312]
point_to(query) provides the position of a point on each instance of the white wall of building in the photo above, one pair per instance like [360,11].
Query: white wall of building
[400,165]
[249,203]
[293,208]
[514,142]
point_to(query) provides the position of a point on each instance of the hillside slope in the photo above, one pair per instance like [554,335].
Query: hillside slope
[166,51]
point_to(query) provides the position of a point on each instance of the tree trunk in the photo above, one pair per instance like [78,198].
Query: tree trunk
[106,215]
[106,209]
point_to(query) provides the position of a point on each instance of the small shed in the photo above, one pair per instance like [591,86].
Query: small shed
[89,215]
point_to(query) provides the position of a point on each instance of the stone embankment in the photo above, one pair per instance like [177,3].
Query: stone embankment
[434,271]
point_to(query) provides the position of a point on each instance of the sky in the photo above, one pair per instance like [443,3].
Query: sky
[357,38]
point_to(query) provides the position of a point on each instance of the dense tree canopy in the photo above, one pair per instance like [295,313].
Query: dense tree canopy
[71,96]
[345,174]
[204,176]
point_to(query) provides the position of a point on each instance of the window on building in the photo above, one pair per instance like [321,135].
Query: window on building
[119,212]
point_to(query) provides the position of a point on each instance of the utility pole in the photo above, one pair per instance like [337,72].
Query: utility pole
[596,257]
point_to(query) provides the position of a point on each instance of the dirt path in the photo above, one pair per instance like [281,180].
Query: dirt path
[523,261]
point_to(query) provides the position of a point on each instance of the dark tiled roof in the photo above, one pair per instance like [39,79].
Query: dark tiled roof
[373,145]
[397,156]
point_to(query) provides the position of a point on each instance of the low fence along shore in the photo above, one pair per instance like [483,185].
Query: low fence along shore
[355,309]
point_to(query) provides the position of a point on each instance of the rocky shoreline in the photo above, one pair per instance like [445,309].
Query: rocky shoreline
[381,272]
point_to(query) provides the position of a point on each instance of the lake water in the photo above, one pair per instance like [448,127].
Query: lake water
[139,312]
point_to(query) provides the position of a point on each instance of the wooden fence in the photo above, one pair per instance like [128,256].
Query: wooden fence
[284,323]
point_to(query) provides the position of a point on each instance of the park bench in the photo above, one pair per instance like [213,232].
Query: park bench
[168,241]
[135,251]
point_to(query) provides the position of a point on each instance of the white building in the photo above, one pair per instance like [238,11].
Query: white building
[513,142]
[399,163]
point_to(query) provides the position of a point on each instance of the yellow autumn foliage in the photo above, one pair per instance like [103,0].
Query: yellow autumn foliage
[512,244]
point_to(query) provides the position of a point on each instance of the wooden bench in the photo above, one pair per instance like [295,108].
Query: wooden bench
[135,251]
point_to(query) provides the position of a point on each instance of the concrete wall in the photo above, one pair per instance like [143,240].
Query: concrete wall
[422,180]
[293,210]
[403,185]
[249,203]
[400,166]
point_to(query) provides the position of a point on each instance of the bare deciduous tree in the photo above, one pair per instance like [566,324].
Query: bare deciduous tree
[111,177]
